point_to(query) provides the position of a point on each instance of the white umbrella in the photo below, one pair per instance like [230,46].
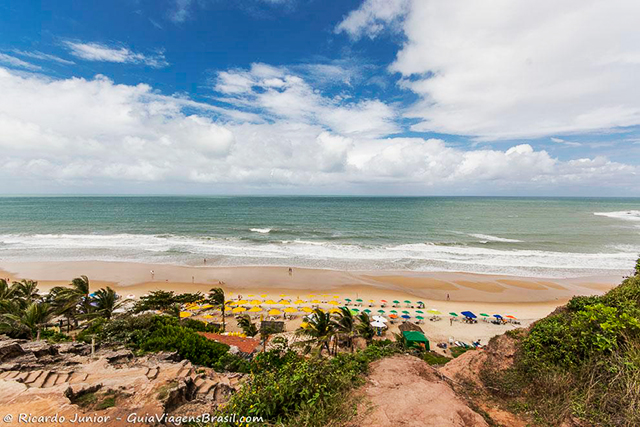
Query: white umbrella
[378,324]
[379,319]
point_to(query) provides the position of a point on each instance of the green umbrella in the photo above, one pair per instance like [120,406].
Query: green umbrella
[359,300]
[405,311]
[355,310]
[420,302]
[420,317]
[367,311]
[484,314]
[418,311]
[453,314]
[396,301]
[407,301]
[347,299]
[381,311]
[394,312]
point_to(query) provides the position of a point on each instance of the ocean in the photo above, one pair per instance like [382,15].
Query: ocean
[539,237]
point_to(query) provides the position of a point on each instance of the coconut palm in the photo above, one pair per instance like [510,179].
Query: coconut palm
[105,302]
[345,325]
[7,291]
[28,290]
[34,316]
[247,326]
[319,329]
[216,298]
[364,328]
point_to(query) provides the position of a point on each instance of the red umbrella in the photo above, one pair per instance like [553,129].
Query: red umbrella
[510,317]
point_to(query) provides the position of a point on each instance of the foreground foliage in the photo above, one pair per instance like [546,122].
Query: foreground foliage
[582,361]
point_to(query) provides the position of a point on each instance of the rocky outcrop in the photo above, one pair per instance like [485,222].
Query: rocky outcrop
[44,379]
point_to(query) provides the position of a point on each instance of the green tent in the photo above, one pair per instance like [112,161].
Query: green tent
[414,338]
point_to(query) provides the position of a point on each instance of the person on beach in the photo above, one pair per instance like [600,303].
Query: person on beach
[153,274]
[290,271]
[447,297]
[205,261]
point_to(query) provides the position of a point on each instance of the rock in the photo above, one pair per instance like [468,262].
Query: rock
[10,349]
[120,356]
[74,348]
[170,356]
[40,348]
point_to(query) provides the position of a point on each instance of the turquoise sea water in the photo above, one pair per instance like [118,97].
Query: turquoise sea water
[547,237]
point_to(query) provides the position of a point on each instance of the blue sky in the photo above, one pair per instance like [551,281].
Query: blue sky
[320,97]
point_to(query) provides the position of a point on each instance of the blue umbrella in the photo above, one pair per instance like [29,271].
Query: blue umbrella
[468,314]
[404,316]
[497,316]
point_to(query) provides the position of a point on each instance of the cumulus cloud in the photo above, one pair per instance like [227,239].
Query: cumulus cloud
[104,53]
[500,69]
[83,133]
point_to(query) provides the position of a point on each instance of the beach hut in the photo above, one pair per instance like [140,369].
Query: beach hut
[416,339]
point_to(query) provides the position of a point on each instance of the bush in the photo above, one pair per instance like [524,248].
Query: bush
[54,336]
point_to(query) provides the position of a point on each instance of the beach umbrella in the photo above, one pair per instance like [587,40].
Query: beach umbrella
[185,314]
[510,317]
[290,310]
[325,296]
[231,303]
[453,314]
[334,310]
[484,315]
[238,310]
[263,295]
[347,299]
[334,303]
[274,312]
[381,311]
[405,316]
[283,295]
[251,295]
[407,301]
[311,295]
[419,311]
[315,301]
[367,310]
[395,301]
[193,307]
[433,311]
[420,317]
[419,302]
[307,310]
[242,301]
[255,309]
[270,301]
[393,316]
[379,319]
[256,302]
[405,312]
[383,300]
[304,325]
[336,297]
[300,301]
[378,324]
[468,314]
[204,307]
[208,316]
[394,312]
[284,302]
[497,316]
[355,311]
[359,300]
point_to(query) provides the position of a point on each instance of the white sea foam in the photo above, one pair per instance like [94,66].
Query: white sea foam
[632,215]
[490,238]
[260,230]
[318,254]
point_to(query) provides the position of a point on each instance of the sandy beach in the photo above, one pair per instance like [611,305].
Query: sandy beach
[527,299]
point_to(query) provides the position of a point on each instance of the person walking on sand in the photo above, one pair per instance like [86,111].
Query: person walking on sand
[205,261]
[447,297]
[290,271]
[153,274]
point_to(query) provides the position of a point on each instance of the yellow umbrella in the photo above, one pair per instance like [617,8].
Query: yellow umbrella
[315,301]
[311,295]
[322,310]
[263,295]
[290,310]
[274,311]
[192,307]
[238,310]
[284,302]
[334,303]
[242,301]
[256,302]
[283,295]
[206,306]
[231,303]
[300,301]
[255,309]
[185,314]
[336,297]
[208,316]
[304,325]
[270,301]
[250,296]
[334,310]
[306,309]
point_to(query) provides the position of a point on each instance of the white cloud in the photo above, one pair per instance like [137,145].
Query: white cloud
[104,53]
[12,61]
[43,56]
[372,17]
[88,134]
[182,11]
[500,69]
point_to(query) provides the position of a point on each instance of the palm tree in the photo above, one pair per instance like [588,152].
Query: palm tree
[319,328]
[345,325]
[28,290]
[216,298]
[364,328]
[7,291]
[247,326]
[32,318]
[106,302]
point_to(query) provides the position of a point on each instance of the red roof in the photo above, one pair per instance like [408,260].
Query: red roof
[246,345]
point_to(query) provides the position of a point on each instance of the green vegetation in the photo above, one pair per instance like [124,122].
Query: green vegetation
[457,351]
[433,358]
[288,389]
[582,361]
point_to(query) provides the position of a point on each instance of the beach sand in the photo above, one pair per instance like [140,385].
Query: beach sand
[528,299]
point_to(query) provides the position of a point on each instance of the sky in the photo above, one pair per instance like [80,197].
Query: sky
[373,97]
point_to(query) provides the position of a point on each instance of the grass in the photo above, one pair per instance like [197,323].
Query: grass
[457,351]
[433,358]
